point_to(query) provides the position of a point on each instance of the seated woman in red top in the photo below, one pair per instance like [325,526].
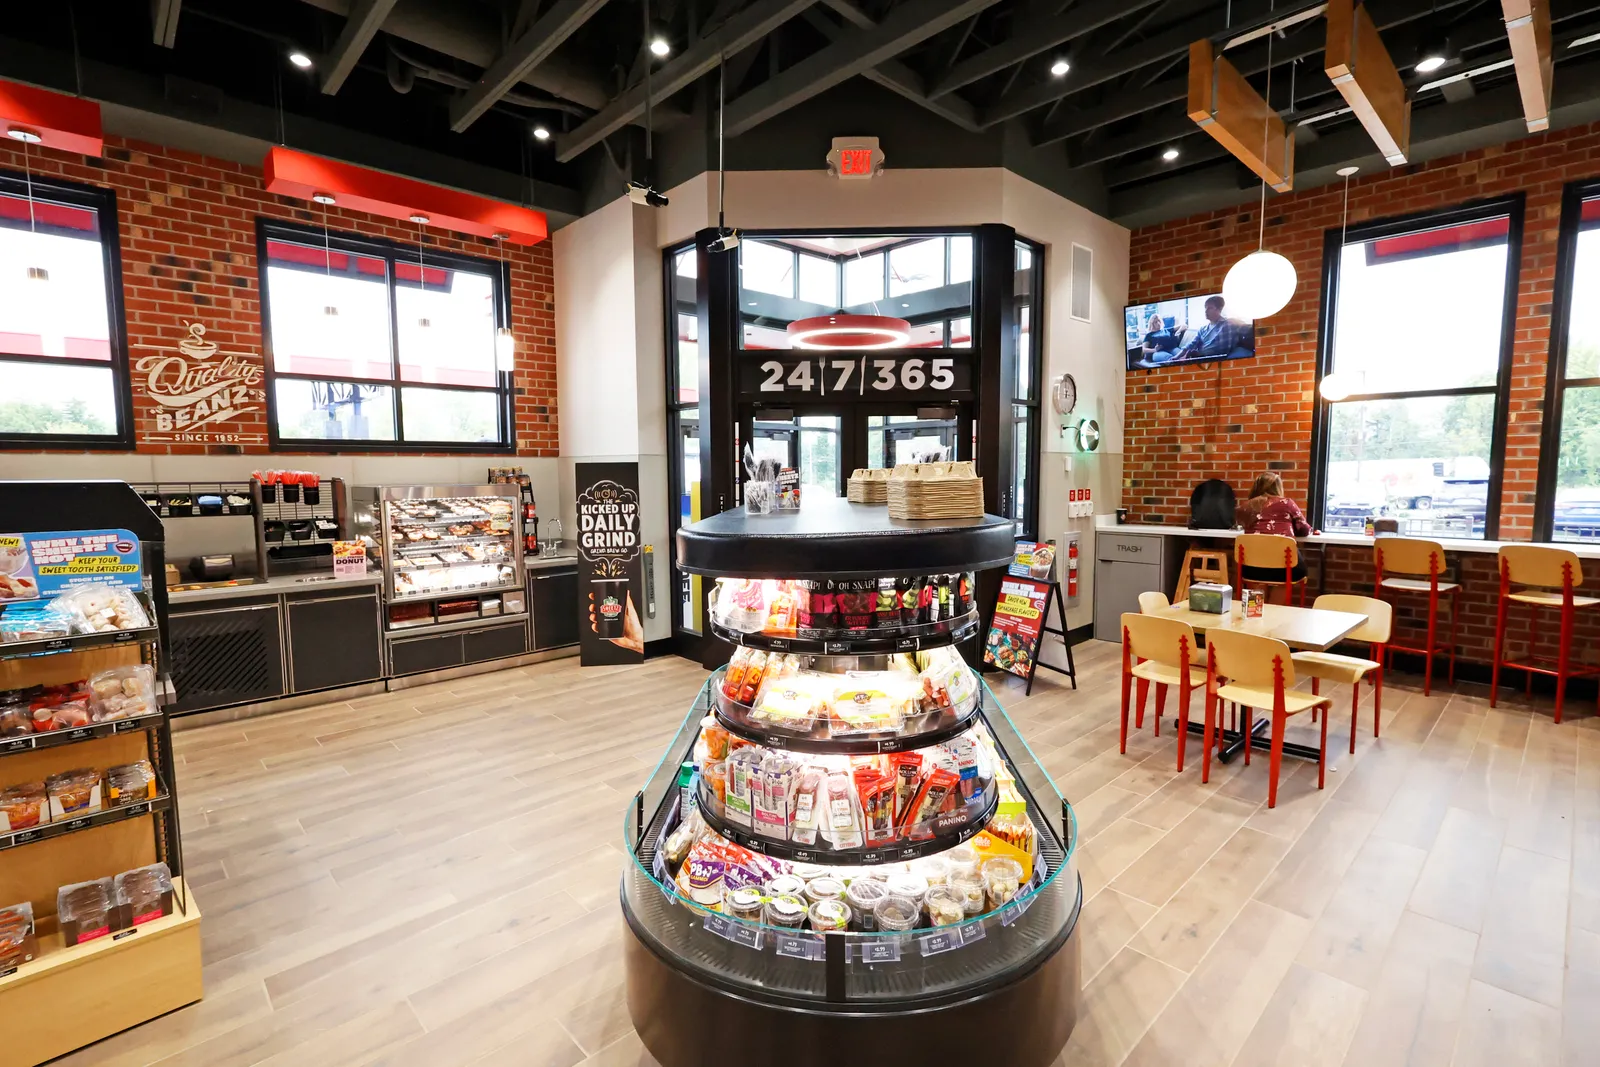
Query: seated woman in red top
[1268,511]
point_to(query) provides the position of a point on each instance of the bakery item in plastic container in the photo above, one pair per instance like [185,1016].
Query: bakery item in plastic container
[100,608]
[15,720]
[144,894]
[74,793]
[17,942]
[22,807]
[130,783]
[123,693]
[87,911]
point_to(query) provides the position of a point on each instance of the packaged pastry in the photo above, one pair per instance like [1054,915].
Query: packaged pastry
[842,816]
[144,894]
[897,913]
[22,807]
[18,944]
[876,794]
[87,910]
[15,720]
[829,915]
[130,783]
[74,793]
[100,608]
[945,906]
[68,715]
[863,896]
[31,621]
[809,798]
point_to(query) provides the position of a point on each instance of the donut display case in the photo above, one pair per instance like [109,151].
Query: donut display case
[847,845]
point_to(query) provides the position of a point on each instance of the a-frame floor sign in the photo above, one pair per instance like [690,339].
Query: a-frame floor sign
[1071,669]
[1021,616]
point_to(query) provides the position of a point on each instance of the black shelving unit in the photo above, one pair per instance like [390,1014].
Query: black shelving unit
[1000,987]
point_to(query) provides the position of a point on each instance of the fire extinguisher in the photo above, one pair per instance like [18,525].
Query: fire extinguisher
[1072,568]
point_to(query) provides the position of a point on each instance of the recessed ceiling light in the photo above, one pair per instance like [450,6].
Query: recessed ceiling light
[300,59]
[753,303]
[23,134]
[1060,67]
[420,220]
[905,305]
[541,134]
[660,47]
[1170,154]
[1429,64]
[322,198]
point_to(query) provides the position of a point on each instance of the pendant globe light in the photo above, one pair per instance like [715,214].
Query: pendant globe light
[505,342]
[1260,284]
[1335,385]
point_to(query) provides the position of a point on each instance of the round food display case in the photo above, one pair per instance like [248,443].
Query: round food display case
[847,845]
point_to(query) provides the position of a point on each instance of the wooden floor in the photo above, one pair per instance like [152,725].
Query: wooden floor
[430,877]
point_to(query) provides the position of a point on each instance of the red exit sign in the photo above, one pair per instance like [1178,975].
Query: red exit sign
[855,157]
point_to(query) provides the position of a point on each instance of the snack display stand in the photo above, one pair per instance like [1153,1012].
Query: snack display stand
[847,849]
[141,957]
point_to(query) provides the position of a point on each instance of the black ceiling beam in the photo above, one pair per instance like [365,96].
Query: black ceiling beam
[521,56]
[164,21]
[858,52]
[359,29]
[893,74]
[739,32]
[1034,36]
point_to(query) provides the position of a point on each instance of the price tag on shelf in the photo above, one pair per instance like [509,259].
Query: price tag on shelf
[21,744]
[972,932]
[737,932]
[830,647]
[800,947]
[934,944]
[1015,910]
[879,950]
[906,644]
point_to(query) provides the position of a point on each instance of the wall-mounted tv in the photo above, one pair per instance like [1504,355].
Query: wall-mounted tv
[1195,329]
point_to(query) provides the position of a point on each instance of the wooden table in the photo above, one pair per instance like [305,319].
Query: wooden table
[1300,628]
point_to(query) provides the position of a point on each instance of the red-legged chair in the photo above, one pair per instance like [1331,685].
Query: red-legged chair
[1410,565]
[1269,550]
[1162,651]
[1260,674]
[1332,667]
[1546,577]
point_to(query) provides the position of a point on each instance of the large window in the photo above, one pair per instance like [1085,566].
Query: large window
[683,415]
[371,347]
[1027,292]
[1417,321]
[63,360]
[1569,466]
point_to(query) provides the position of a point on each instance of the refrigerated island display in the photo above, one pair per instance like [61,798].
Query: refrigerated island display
[449,553]
[848,850]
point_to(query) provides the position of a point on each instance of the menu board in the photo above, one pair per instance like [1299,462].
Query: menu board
[35,565]
[610,578]
[1017,625]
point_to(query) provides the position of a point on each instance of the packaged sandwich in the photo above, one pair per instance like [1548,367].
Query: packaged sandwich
[772,784]
[793,702]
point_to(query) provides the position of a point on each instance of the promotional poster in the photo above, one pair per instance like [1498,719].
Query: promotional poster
[1019,618]
[610,572]
[44,565]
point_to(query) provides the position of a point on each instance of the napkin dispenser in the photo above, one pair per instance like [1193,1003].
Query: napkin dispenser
[1210,597]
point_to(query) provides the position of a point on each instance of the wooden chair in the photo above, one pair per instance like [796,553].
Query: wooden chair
[1260,674]
[1201,564]
[1547,578]
[1270,550]
[1332,667]
[1152,602]
[1162,651]
[1404,565]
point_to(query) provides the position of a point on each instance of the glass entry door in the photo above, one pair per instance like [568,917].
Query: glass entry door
[809,440]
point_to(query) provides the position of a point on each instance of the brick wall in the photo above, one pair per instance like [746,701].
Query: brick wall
[1233,420]
[187,227]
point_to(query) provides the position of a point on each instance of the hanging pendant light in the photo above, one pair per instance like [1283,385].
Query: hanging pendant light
[422,272]
[505,342]
[329,310]
[1260,284]
[28,138]
[1336,386]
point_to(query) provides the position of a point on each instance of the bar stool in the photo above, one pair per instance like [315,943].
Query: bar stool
[1540,570]
[1162,651]
[1260,674]
[1270,550]
[1333,667]
[1399,564]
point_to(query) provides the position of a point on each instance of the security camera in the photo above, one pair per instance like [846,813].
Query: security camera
[645,196]
[727,240]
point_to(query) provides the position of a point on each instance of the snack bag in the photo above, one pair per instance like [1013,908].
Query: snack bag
[130,783]
[817,604]
[887,607]
[857,601]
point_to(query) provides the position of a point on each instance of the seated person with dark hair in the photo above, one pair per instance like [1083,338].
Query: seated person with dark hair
[1218,337]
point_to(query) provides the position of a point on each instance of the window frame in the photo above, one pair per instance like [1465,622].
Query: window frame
[391,252]
[104,203]
[1334,241]
[1573,195]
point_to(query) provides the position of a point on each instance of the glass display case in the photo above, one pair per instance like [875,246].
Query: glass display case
[449,553]
[847,845]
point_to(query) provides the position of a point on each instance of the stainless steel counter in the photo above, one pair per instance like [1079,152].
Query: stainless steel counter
[274,587]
